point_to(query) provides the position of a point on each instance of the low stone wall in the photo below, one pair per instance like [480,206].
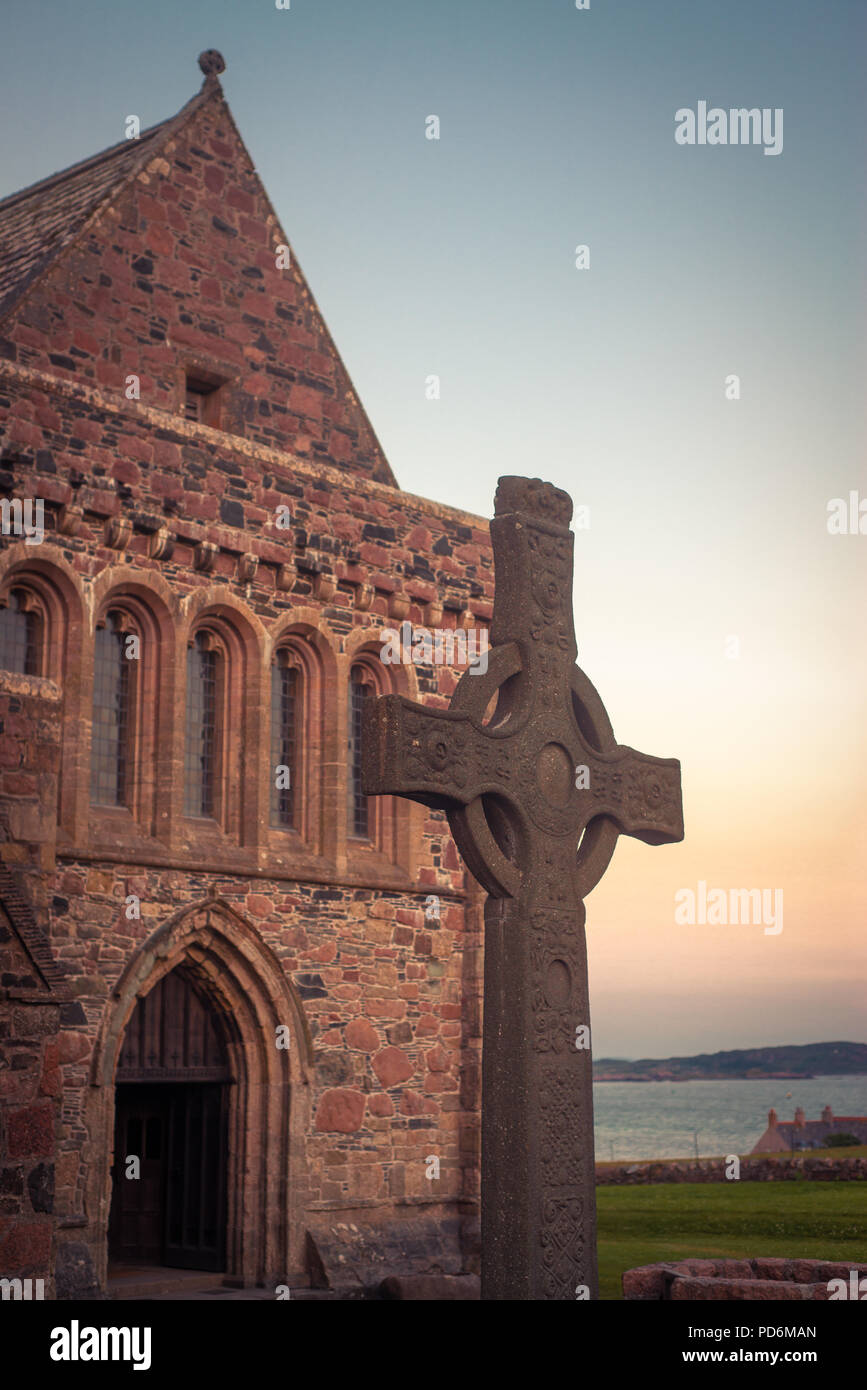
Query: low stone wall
[763,1280]
[759,1168]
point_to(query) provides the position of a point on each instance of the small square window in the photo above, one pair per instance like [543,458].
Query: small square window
[202,401]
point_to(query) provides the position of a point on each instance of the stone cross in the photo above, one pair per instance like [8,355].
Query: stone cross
[525,764]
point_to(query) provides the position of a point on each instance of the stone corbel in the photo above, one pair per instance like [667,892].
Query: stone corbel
[247,567]
[398,606]
[363,597]
[205,556]
[324,587]
[69,520]
[161,544]
[433,614]
[117,532]
[286,576]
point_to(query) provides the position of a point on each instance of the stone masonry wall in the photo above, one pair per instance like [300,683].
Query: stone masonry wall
[274,515]
[752,1169]
[393,1000]
[30,1009]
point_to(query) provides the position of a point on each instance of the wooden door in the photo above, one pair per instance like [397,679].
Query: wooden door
[196,1178]
[174,1213]
[136,1228]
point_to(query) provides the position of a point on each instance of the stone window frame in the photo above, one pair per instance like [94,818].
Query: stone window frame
[285,657]
[31,604]
[142,798]
[123,628]
[58,591]
[233,694]
[213,380]
[317,843]
[370,680]
[388,842]
[209,639]
[40,597]
[303,655]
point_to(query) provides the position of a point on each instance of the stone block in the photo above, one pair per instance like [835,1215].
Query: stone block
[340,1111]
[392,1066]
[30,1131]
[75,1275]
[361,1035]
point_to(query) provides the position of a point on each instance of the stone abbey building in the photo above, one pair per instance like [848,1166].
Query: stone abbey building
[217,957]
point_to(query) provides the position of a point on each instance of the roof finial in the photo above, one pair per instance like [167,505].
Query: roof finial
[212,63]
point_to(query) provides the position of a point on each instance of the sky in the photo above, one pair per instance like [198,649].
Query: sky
[716,615]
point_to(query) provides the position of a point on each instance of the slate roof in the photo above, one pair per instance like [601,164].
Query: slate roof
[786,1135]
[811,1134]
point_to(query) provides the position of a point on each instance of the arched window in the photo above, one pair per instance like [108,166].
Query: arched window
[204,726]
[115,662]
[131,702]
[286,738]
[360,811]
[377,837]
[42,635]
[20,633]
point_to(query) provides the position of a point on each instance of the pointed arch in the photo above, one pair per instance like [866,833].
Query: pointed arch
[270,1101]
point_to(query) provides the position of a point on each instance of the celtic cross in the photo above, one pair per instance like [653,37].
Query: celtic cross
[536,789]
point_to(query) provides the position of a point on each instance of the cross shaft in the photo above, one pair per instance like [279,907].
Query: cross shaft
[536,793]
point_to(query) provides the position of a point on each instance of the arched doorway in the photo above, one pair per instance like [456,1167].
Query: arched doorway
[249,997]
[171,1130]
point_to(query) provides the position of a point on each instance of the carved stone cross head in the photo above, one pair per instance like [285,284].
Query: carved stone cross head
[525,761]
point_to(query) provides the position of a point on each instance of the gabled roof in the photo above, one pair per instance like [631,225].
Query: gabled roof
[37,223]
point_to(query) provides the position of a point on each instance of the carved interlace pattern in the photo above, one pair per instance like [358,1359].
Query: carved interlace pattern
[555,891]
[555,938]
[563,1246]
[561,1153]
[448,753]
[550,570]
[644,793]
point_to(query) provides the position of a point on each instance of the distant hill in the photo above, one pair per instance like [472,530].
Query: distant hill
[810,1059]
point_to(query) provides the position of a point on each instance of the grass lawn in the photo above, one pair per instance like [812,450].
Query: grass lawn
[673,1221]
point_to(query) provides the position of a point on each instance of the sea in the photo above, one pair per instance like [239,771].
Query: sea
[682,1119]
